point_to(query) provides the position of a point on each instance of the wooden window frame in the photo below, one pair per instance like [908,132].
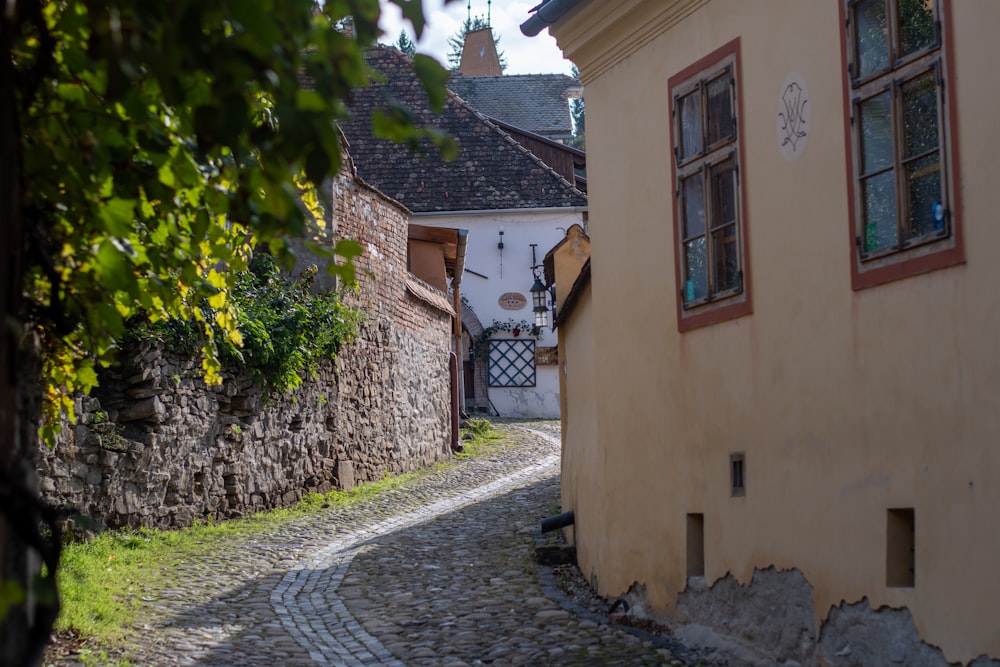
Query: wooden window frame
[932,251]
[722,305]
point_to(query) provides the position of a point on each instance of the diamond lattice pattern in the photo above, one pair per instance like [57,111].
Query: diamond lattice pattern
[512,363]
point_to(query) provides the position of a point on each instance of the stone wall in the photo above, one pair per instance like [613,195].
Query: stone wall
[771,621]
[154,446]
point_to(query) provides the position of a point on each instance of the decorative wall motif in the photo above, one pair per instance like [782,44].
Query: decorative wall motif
[793,117]
[512,301]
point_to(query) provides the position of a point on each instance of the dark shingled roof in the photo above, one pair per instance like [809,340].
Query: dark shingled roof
[533,102]
[491,172]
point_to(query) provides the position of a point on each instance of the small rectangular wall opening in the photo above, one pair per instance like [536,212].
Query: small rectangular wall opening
[695,545]
[900,548]
[737,474]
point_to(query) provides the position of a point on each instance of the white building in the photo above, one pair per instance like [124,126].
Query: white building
[496,183]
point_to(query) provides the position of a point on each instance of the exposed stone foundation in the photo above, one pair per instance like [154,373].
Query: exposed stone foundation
[770,622]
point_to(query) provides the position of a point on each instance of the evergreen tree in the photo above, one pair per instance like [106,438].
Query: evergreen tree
[576,111]
[405,44]
[457,42]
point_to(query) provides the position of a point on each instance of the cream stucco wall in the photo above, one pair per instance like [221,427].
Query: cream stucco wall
[582,490]
[846,403]
[568,257]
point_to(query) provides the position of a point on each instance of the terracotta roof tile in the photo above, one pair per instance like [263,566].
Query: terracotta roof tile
[491,172]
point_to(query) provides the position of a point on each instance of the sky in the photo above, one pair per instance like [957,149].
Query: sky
[525,55]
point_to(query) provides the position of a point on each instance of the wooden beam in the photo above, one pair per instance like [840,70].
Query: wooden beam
[444,235]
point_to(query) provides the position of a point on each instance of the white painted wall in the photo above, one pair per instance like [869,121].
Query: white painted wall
[510,271]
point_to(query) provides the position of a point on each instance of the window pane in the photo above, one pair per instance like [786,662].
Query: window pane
[916,25]
[872,45]
[695,271]
[727,264]
[723,194]
[689,111]
[923,178]
[879,195]
[920,114]
[720,108]
[876,133]
[693,190]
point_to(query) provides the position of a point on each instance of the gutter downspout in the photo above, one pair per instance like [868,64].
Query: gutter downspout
[456,442]
[457,377]
[545,15]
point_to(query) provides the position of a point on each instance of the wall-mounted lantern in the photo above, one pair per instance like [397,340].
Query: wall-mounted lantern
[539,297]
[500,250]
[540,294]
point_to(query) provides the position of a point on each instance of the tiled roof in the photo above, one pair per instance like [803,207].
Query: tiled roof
[534,102]
[428,294]
[491,172]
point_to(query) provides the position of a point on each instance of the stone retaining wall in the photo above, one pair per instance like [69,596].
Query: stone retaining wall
[157,447]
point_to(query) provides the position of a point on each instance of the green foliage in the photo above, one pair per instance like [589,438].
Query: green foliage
[578,114]
[405,44]
[100,584]
[480,344]
[159,142]
[478,427]
[91,658]
[285,327]
[483,434]
[11,595]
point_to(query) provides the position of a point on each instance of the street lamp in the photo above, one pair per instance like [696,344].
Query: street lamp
[538,299]
[539,294]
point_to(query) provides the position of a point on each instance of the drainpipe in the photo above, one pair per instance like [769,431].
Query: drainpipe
[457,346]
[456,289]
[558,521]
[545,15]
[456,443]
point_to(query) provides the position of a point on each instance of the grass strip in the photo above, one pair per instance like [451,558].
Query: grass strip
[101,581]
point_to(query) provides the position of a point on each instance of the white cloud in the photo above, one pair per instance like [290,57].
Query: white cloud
[525,55]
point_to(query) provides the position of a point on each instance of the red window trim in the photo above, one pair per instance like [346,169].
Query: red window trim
[923,263]
[742,304]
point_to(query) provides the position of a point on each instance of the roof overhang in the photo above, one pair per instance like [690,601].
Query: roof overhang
[545,15]
[453,242]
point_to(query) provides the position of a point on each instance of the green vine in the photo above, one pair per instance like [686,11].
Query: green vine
[480,344]
[286,328]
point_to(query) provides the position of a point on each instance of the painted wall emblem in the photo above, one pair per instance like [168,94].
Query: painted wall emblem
[793,117]
[512,301]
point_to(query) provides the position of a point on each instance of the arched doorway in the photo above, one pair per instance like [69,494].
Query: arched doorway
[477,399]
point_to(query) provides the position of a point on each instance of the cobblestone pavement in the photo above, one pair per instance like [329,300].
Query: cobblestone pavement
[437,572]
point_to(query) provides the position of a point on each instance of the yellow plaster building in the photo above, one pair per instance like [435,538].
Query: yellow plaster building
[784,369]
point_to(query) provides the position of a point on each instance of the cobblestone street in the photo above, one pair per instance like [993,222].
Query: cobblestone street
[438,572]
